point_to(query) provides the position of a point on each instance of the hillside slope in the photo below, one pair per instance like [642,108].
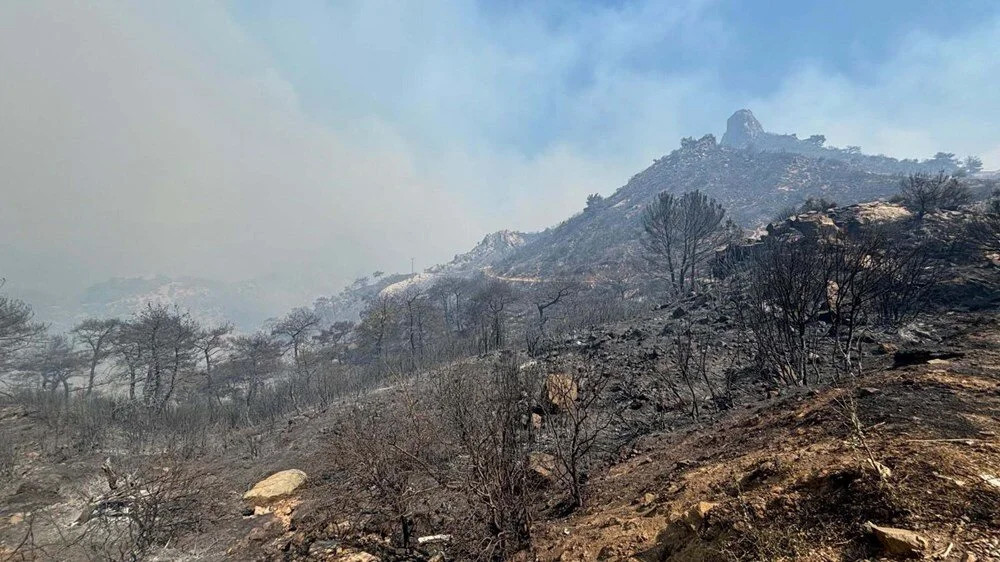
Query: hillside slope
[754,174]
[787,478]
[753,186]
[791,478]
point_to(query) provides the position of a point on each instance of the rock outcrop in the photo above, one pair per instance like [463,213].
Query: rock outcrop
[742,129]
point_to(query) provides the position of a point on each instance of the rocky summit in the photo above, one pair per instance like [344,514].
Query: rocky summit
[742,129]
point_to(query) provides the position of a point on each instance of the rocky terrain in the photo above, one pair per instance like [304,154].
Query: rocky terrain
[744,131]
[786,476]
[753,173]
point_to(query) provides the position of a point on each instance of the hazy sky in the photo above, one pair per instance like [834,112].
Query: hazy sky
[325,140]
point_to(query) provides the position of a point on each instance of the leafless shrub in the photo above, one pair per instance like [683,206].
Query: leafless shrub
[487,420]
[923,193]
[690,362]
[783,296]
[576,429]
[871,283]
[392,449]
[908,276]
[546,298]
[8,455]
[142,509]
[849,412]
[804,299]
[984,229]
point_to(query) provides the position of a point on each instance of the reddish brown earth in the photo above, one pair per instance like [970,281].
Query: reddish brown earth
[790,480]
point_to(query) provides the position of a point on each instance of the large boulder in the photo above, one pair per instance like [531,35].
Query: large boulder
[276,485]
[561,391]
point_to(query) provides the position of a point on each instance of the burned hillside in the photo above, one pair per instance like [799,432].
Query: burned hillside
[667,386]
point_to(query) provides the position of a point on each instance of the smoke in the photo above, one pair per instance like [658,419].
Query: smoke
[320,142]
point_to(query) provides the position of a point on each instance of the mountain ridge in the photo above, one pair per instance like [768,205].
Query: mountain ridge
[753,173]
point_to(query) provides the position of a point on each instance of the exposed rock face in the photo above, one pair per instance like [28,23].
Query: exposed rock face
[814,225]
[276,485]
[752,182]
[879,212]
[742,129]
[832,222]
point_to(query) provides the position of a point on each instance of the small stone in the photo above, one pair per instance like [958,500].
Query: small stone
[542,467]
[561,390]
[259,510]
[647,499]
[990,479]
[883,471]
[695,516]
[262,533]
[887,348]
[899,542]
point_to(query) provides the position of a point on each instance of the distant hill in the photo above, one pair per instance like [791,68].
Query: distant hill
[752,185]
[246,304]
[493,248]
[752,172]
